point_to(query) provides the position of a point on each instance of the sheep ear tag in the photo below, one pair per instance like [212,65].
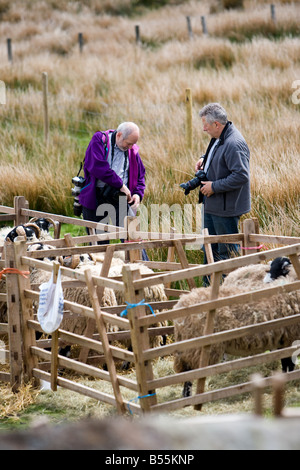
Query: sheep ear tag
[51,304]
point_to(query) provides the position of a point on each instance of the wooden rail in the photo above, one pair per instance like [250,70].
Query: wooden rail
[26,353]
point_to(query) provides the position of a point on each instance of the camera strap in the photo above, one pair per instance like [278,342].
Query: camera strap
[81,164]
[113,143]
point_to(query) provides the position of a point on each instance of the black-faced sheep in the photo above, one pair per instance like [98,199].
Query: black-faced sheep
[30,231]
[33,231]
[246,279]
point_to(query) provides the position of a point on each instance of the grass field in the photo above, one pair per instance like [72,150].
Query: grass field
[247,62]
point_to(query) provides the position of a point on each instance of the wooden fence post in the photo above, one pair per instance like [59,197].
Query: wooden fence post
[137,35]
[104,340]
[132,225]
[19,204]
[45,104]
[91,323]
[273,12]
[209,253]
[9,50]
[189,25]
[54,340]
[184,262]
[189,114]
[208,330]
[258,389]
[139,338]
[203,23]
[80,42]
[30,361]
[14,320]
[278,384]
[250,226]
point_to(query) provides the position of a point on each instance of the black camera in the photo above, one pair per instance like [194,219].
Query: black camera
[194,183]
[111,194]
[79,182]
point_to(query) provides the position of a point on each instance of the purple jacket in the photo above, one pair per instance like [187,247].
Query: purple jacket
[97,167]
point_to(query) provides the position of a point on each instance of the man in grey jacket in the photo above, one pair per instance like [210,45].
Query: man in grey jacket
[226,194]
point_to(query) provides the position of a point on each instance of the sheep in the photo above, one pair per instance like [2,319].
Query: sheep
[80,295]
[30,231]
[244,279]
[279,267]
[110,297]
[33,231]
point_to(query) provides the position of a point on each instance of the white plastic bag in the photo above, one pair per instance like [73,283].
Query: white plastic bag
[51,304]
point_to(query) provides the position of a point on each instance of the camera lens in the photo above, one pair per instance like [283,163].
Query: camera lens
[77,208]
[78,181]
[76,191]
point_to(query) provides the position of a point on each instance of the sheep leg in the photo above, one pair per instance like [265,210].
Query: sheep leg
[187,389]
[287,364]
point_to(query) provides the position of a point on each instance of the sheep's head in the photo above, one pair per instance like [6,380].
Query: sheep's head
[75,261]
[279,267]
[30,231]
[43,247]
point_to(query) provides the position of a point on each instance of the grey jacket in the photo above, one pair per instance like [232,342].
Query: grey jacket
[229,170]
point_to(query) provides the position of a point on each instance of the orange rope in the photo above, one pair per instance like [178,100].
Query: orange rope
[13,271]
[253,247]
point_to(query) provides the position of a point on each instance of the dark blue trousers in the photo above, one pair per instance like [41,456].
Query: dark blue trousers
[218,225]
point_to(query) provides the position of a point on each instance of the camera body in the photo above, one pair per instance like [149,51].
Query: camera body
[195,183]
[79,182]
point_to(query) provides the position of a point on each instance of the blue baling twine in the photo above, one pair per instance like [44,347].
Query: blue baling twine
[142,302]
[138,398]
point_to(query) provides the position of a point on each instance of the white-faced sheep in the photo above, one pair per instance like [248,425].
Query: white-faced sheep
[244,279]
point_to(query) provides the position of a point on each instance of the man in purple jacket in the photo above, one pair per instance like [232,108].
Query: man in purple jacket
[114,174]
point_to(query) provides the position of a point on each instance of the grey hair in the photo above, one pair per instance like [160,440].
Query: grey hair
[127,128]
[214,112]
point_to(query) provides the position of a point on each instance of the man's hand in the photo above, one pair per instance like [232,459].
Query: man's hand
[206,189]
[126,191]
[199,164]
[135,201]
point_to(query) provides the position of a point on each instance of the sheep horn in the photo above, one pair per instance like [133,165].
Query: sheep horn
[54,223]
[35,228]
[34,219]
[74,261]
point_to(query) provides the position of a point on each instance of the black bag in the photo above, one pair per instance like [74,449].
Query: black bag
[110,194]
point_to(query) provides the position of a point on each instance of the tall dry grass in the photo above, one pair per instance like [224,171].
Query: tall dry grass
[114,80]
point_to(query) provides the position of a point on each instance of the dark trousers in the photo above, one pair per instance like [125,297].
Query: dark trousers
[218,225]
[112,213]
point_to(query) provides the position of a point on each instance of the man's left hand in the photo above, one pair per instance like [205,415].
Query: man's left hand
[135,201]
[206,189]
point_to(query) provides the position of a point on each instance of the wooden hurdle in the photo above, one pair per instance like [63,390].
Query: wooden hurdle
[30,360]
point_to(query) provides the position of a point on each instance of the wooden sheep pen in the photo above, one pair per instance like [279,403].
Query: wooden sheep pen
[25,352]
